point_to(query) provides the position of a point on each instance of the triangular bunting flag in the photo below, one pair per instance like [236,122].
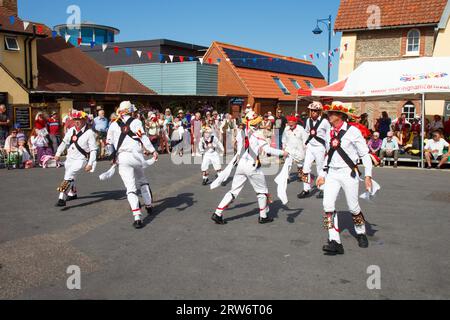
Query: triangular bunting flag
[116,50]
[104,47]
[40,29]
[79,41]
[324,54]
[128,51]
[54,34]
[181,59]
[12,19]
[304,57]
[191,58]
[139,53]
[171,57]
[161,57]
[210,60]
[201,60]
[92,44]
[150,55]
[67,37]
[25,25]
[318,55]
[219,60]
[312,57]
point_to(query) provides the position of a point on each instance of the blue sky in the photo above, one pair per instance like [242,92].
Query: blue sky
[282,26]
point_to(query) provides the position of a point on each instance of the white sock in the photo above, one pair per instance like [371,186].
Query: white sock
[263,207]
[333,233]
[146,195]
[224,204]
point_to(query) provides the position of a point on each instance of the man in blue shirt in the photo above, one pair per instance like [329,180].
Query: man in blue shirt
[100,127]
[389,148]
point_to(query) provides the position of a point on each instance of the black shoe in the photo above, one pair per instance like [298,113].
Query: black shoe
[320,195]
[333,248]
[71,198]
[265,220]
[61,203]
[363,242]
[304,195]
[138,224]
[218,220]
[205,182]
[149,210]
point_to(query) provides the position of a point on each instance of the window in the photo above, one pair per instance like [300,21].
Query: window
[309,84]
[410,110]
[11,44]
[87,35]
[100,36]
[281,86]
[295,83]
[413,42]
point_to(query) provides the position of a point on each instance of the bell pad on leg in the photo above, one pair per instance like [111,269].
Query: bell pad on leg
[359,220]
[328,221]
[65,186]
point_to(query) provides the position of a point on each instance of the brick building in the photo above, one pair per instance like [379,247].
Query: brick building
[406,29]
[262,79]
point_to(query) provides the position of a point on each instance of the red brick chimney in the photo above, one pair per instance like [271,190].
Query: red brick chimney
[11,5]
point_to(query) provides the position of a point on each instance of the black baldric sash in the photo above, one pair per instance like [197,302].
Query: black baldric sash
[335,146]
[74,141]
[313,132]
[206,143]
[125,132]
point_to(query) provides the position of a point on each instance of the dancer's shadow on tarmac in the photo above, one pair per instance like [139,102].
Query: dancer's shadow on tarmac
[274,210]
[346,223]
[180,202]
[115,195]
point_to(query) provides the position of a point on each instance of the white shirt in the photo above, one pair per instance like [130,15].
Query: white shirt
[258,145]
[355,147]
[129,144]
[439,146]
[87,142]
[322,132]
[294,142]
[206,147]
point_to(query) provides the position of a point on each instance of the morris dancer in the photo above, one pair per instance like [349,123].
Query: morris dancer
[249,168]
[341,171]
[209,147]
[318,130]
[130,143]
[294,139]
[81,153]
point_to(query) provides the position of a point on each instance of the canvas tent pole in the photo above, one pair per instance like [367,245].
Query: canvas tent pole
[423,130]
[296,105]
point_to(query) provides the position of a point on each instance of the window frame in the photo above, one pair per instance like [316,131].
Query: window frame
[295,83]
[408,112]
[7,47]
[309,84]
[281,85]
[408,44]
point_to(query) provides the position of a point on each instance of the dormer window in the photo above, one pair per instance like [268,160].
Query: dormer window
[413,42]
[11,44]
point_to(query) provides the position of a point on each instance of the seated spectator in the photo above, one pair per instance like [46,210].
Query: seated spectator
[40,144]
[434,150]
[414,145]
[436,124]
[374,145]
[404,136]
[12,142]
[24,154]
[390,149]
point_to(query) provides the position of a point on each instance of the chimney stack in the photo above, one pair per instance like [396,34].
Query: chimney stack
[11,5]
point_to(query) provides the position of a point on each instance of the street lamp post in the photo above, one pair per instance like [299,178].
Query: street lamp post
[318,31]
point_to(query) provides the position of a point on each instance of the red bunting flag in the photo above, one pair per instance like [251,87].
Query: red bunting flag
[40,29]
[79,41]
[210,60]
[116,50]
[150,55]
[181,59]
[312,56]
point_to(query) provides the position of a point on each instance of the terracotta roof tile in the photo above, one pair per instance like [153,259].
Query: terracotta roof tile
[353,13]
[65,68]
[260,83]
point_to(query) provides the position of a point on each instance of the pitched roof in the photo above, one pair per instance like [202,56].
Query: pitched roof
[17,26]
[258,77]
[353,14]
[65,68]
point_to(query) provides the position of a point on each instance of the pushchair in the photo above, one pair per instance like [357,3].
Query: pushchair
[13,160]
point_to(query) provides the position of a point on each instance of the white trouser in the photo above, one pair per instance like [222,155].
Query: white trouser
[72,168]
[132,173]
[211,159]
[336,179]
[316,154]
[246,171]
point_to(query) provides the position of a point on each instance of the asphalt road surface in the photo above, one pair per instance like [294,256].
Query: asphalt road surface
[182,254]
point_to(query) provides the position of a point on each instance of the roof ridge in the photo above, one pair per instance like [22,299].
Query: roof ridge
[273,55]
